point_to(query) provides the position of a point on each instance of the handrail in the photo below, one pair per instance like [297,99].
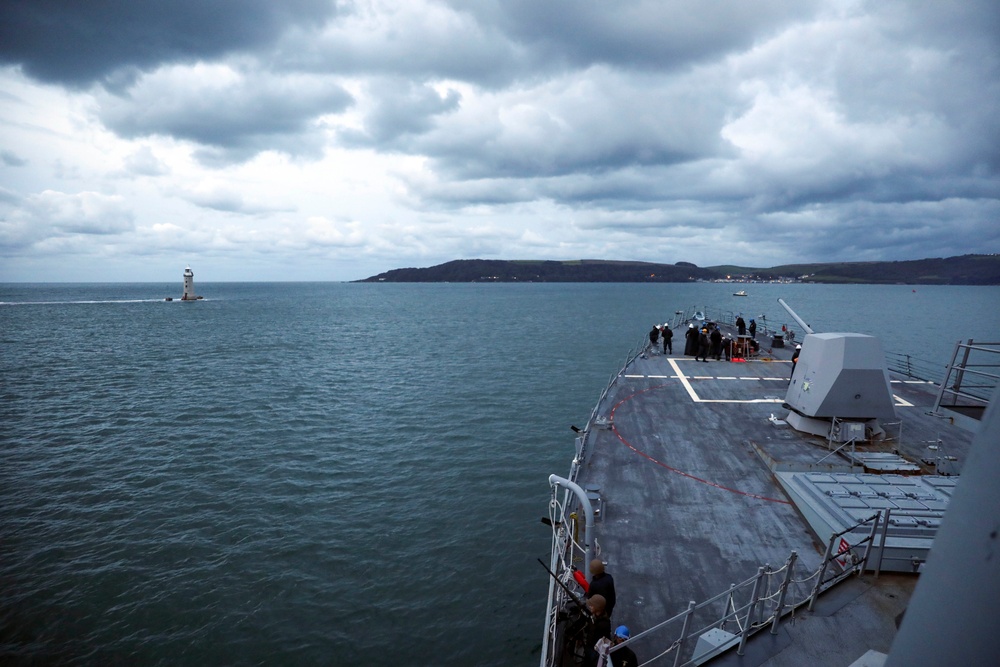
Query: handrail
[561,538]
[968,360]
[749,601]
[904,364]
[588,535]
[914,367]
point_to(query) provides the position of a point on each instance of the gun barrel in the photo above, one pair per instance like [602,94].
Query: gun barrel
[573,597]
[806,327]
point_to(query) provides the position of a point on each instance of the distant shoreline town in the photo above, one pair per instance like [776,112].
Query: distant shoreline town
[961,270]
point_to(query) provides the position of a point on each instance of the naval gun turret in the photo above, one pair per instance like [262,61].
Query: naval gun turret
[840,385]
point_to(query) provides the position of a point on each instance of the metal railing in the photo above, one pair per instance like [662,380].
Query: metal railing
[903,364]
[565,538]
[970,378]
[761,601]
[914,367]
[582,439]
[764,329]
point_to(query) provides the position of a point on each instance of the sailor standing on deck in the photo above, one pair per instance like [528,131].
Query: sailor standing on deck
[691,344]
[623,657]
[599,628]
[795,361]
[668,338]
[716,337]
[703,345]
[654,336]
[601,583]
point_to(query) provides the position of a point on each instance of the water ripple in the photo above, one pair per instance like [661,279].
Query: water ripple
[303,474]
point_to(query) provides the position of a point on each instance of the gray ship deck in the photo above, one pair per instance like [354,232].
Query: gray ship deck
[689,501]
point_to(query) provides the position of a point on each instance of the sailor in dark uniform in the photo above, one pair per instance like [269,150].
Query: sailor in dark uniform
[691,344]
[601,583]
[716,337]
[623,657]
[703,345]
[795,362]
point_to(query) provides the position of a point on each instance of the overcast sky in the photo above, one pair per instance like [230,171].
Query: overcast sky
[322,140]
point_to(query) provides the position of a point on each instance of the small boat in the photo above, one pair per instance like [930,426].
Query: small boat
[742,292]
[699,315]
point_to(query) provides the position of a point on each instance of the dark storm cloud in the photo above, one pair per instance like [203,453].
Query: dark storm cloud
[882,121]
[658,34]
[415,41]
[231,114]
[598,122]
[863,231]
[494,43]
[400,109]
[78,42]
[844,130]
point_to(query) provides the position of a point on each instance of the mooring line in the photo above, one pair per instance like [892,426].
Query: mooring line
[628,444]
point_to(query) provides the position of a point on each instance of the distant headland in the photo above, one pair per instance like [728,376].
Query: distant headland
[962,270]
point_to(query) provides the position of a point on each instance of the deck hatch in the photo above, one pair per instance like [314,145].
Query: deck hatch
[834,502]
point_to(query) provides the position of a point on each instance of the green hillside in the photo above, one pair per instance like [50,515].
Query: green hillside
[962,270]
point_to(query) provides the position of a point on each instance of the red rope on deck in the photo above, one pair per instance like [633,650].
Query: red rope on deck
[673,469]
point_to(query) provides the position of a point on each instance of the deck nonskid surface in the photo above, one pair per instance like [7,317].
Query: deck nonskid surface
[679,443]
[689,505]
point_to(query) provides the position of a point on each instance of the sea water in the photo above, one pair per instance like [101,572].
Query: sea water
[327,473]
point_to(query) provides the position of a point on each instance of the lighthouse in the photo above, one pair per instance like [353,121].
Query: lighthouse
[189,294]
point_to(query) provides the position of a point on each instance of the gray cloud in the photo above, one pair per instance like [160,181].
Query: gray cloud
[144,163]
[12,159]
[399,110]
[227,200]
[644,34]
[76,43]
[596,122]
[860,130]
[9,196]
[418,41]
[232,114]
[53,215]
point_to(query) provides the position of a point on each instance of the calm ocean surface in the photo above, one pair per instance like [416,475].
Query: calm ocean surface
[326,473]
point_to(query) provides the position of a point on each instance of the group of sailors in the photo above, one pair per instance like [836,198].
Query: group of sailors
[741,326]
[593,634]
[707,341]
[662,332]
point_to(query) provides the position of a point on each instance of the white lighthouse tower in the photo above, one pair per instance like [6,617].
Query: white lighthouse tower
[189,294]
